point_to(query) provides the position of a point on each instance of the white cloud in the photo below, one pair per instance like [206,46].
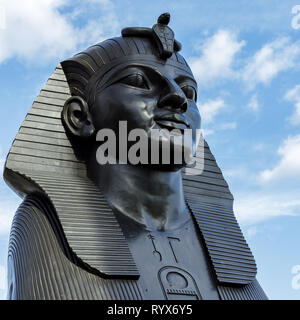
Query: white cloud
[2,278]
[293,95]
[8,204]
[207,132]
[274,57]
[270,200]
[227,126]
[7,211]
[255,207]
[3,295]
[259,146]
[36,30]
[210,109]
[252,231]
[216,61]
[2,162]
[218,58]
[237,172]
[288,167]
[222,126]
[253,104]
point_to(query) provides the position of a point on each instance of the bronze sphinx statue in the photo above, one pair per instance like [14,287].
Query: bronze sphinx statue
[121,231]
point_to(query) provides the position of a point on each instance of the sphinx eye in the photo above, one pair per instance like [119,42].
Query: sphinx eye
[189,92]
[135,80]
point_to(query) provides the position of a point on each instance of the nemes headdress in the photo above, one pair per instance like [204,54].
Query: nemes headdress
[86,68]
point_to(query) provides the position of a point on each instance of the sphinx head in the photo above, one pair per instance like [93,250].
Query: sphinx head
[141,79]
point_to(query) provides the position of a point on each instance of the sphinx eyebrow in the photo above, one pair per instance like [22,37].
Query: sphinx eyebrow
[186,78]
[128,71]
[119,74]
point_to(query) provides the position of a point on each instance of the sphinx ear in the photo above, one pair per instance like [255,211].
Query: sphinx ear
[77,118]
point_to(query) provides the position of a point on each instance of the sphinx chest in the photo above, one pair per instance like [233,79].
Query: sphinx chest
[173,264]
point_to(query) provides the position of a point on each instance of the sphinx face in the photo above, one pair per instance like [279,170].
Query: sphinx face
[151,96]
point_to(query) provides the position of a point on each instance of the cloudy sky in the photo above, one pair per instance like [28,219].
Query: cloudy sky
[246,58]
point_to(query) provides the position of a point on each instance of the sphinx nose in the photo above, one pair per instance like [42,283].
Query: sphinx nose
[173,97]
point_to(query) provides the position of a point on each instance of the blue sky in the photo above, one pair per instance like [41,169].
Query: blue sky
[246,58]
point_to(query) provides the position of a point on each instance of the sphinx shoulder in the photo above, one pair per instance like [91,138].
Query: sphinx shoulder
[41,265]
[36,251]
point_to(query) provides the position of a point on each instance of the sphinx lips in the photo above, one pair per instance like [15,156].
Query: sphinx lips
[172,121]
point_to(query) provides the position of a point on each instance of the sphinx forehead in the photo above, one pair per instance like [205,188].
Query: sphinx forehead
[82,69]
[107,73]
[163,67]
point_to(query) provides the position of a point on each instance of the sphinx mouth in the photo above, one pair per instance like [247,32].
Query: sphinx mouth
[172,121]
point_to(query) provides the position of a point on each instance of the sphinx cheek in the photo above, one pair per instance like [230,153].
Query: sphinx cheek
[140,115]
[105,112]
[150,105]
